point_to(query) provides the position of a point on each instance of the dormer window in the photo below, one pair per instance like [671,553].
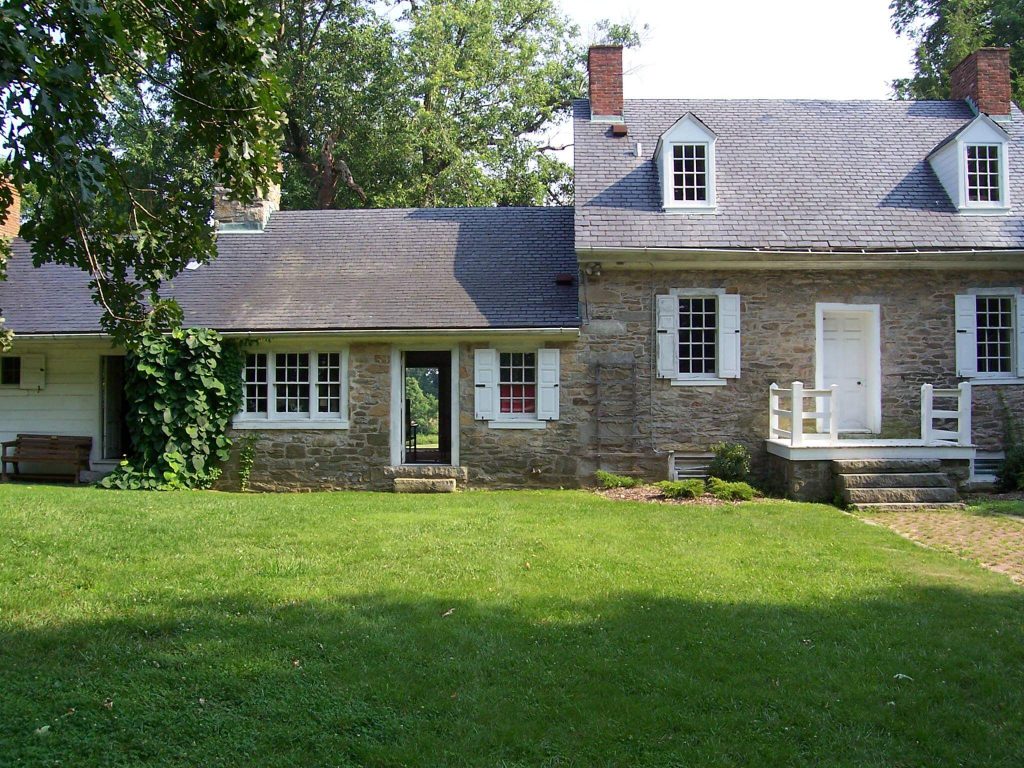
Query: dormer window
[685,159]
[972,165]
[690,172]
[983,177]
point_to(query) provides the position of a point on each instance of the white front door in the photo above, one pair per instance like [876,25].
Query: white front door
[846,359]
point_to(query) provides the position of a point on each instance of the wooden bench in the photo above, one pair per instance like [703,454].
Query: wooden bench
[46,449]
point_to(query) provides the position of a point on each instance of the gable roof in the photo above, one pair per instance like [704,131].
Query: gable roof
[819,175]
[433,268]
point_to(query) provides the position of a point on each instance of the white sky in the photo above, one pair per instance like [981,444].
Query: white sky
[835,49]
[768,49]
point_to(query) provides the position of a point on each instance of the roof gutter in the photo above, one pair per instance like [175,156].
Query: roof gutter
[809,258]
[469,333]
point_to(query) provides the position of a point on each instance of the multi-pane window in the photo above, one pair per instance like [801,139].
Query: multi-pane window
[690,172]
[698,330]
[294,385]
[291,379]
[983,173]
[995,334]
[328,382]
[255,377]
[10,371]
[517,381]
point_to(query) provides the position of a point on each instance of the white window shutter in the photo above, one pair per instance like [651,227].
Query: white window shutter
[1019,301]
[729,336]
[966,335]
[667,336]
[485,395]
[547,384]
[33,372]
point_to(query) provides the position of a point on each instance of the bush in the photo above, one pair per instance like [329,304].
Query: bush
[730,491]
[731,462]
[609,480]
[1011,474]
[682,489]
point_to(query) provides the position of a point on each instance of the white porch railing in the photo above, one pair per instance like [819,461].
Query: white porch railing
[790,424]
[961,414]
[825,414]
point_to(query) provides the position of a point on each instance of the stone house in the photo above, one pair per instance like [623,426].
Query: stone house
[821,281]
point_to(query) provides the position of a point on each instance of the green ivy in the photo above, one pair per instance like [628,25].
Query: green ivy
[183,389]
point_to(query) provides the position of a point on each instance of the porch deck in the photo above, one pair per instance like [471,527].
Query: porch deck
[829,450]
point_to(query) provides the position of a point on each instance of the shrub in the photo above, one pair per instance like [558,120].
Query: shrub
[609,480]
[1011,474]
[730,491]
[731,462]
[682,489]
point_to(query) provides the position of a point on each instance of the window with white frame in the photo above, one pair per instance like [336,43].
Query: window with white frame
[685,159]
[291,389]
[516,389]
[690,172]
[698,336]
[517,384]
[990,335]
[983,173]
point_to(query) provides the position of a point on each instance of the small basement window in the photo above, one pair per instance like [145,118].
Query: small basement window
[690,172]
[10,371]
[983,176]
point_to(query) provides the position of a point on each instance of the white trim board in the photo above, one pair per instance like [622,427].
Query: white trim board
[874,386]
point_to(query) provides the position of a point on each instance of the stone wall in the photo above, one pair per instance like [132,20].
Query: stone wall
[778,345]
[357,457]
[517,458]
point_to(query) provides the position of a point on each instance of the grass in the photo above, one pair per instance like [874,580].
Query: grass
[491,629]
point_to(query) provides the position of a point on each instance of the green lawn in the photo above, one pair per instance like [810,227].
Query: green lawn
[491,629]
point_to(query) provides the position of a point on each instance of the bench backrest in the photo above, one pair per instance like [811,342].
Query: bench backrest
[55,446]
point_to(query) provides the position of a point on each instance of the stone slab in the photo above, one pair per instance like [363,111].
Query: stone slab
[424,485]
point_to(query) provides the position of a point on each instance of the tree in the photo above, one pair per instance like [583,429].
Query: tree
[120,115]
[422,405]
[948,30]
[439,108]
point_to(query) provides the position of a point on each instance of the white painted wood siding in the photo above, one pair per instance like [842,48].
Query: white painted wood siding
[68,404]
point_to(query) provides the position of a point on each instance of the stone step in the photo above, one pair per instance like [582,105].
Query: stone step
[872,496]
[424,485]
[895,480]
[885,466]
[907,506]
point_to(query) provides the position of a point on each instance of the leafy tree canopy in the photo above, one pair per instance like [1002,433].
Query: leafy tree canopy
[429,102]
[119,116]
[948,30]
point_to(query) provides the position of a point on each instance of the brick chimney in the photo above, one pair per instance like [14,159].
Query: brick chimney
[604,65]
[11,223]
[229,213]
[983,78]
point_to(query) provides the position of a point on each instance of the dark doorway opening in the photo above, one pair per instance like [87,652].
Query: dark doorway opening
[427,378]
[117,440]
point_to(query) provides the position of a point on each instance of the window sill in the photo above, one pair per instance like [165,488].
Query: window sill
[698,382]
[996,381]
[701,209]
[518,424]
[307,424]
[984,210]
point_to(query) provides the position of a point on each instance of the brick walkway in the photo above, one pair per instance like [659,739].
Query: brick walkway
[990,532]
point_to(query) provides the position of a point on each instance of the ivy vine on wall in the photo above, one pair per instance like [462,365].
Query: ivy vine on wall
[183,389]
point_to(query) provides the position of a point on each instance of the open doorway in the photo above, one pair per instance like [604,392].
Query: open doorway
[427,401]
[116,442]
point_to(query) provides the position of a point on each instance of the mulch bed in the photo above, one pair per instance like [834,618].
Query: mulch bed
[652,495]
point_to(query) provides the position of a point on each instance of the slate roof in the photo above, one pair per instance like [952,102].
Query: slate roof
[456,268]
[828,175]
